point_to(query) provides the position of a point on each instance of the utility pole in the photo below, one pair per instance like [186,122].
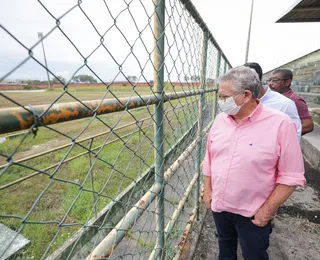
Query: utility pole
[40,36]
[249,33]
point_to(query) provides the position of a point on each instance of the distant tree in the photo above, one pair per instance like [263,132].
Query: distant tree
[195,78]
[84,79]
[132,78]
[210,80]
[186,78]
[32,82]
[56,81]
[36,82]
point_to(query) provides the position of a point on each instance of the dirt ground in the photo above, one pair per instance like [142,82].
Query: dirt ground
[296,232]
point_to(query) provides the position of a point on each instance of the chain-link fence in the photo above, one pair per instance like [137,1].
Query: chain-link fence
[118,176]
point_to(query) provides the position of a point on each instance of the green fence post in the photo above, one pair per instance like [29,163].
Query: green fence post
[225,66]
[92,179]
[200,117]
[159,32]
[216,84]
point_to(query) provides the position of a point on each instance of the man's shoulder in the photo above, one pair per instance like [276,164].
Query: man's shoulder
[296,98]
[277,96]
[219,121]
[220,117]
[274,114]
[279,102]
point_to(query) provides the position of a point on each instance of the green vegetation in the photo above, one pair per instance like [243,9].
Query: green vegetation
[171,244]
[81,93]
[141,242]
[68,198]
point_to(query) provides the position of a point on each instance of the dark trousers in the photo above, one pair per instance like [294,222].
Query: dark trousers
[254,240]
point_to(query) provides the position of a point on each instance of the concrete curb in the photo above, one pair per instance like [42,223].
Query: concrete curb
[310,146]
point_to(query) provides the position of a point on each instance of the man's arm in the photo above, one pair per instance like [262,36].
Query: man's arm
[290,173]
[291,110]
[307,125]
[279,195]
[206,169]
[207,194]
[305,116]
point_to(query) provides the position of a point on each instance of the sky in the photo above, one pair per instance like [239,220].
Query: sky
[272,44]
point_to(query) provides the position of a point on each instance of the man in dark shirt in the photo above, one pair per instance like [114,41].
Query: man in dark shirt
[280,81]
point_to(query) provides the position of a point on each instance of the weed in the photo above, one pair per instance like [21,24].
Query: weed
[73,190]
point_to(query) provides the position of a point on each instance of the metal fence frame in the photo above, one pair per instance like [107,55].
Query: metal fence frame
[21,118]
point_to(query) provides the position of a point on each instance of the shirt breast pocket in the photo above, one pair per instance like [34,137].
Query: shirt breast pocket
[261,156]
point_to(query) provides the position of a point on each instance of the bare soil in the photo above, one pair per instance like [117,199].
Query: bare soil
[296,232]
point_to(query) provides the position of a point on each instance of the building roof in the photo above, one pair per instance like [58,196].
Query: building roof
[302,11]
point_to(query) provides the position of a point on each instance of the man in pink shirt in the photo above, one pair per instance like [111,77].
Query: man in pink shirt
[248,168]
[280,81]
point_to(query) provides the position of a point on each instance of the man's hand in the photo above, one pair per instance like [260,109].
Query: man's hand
[207,194]
[261,218]
[279,195]
[207,199]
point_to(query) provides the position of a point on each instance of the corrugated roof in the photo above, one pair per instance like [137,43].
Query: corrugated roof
[302,11]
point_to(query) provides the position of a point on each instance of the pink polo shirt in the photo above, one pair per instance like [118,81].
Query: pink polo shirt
[247,160]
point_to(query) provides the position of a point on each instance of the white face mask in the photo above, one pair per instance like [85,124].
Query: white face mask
[229,106]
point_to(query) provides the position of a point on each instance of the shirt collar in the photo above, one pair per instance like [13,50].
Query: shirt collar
[288,92]
[265,96]
[255,113]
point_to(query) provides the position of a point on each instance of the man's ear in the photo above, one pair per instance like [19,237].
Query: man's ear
[288,82]
[247,95]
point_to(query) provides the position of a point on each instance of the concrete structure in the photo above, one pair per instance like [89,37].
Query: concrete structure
[7,235]
[306,72]
[302,11]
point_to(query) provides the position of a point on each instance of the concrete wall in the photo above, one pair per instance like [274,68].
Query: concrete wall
[306,71]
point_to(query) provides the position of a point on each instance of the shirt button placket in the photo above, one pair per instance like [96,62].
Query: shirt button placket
[230,157]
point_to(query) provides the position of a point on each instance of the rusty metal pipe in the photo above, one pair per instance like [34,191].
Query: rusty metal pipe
[176,214]
[187,230]
[106,246]
[18,118]
[81,140]
[67,145]
[65,161]
[71,158]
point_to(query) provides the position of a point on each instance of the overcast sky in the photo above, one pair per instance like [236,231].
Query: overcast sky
[271,45]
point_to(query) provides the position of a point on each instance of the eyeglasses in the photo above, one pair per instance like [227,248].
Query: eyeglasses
[275,80]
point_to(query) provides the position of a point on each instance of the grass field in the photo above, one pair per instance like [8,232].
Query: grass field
[68,197]
[81,93]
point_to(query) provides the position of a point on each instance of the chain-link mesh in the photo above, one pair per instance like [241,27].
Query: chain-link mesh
[86,175]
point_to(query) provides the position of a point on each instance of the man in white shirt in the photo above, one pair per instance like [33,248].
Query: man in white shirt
[277,101]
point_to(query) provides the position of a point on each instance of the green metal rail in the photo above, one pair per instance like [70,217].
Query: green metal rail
[126,182]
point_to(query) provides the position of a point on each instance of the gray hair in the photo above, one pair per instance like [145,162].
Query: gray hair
[243,78]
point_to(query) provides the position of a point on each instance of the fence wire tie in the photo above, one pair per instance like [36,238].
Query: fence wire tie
[35,125]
